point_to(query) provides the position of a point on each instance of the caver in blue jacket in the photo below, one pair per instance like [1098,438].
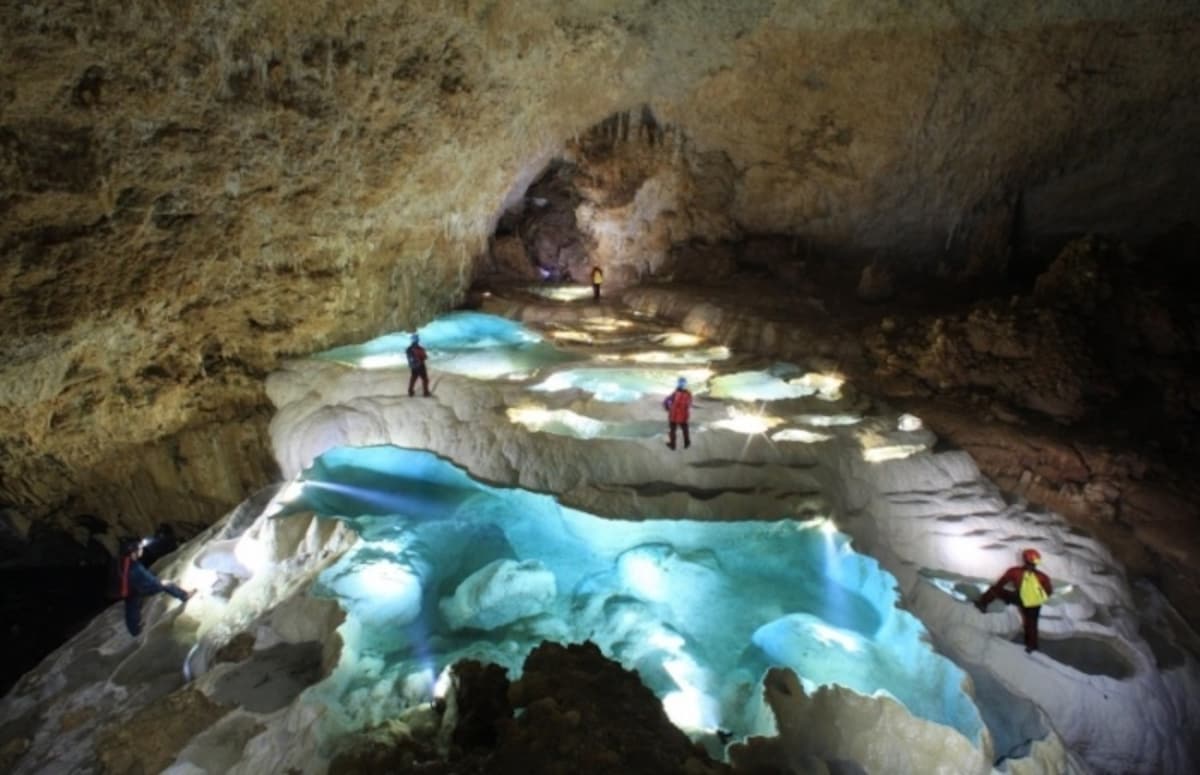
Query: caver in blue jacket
[137,582]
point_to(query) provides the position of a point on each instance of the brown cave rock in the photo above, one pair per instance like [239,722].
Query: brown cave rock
[572,711]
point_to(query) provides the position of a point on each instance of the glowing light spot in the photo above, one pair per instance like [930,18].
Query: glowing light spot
[909,423]
[561,421]
[385,579]
[827,635]
[685,710]
[678,339]
[749,423]
[383,590]
[653,356]
[419,686]
[828,420]
[892,452]
[765,385]
[532,417]
[826,386]
[605,324]
[288,493]
[562,292]
[200,579]
[824,524]
[686,356]
[615,384]
[569,335]
[251,553]
[800,435]
[468,343]
[644,575]
[383,361]
[556,382]
[689,708]
[878,448]
[609,391]
[442,684]
[291,491]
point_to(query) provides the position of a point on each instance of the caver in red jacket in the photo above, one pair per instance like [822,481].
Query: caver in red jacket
[679,405]
[1013,578]
[416,363]
[679,408]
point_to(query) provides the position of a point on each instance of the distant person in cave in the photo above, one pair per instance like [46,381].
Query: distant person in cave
[1030,589]
[135,582]
[679,409]
[597,281]
[416,362]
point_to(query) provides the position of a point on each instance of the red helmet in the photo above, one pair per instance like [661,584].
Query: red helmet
[1031,556]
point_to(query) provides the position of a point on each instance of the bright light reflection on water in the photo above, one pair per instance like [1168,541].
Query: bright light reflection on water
[564,422]
[468,343]
[621,385]
[562,292]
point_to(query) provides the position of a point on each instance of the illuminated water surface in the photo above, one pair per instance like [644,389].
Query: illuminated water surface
[451,568]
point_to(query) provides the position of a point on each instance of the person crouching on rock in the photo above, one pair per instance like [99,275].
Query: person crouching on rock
[679,407]
[137,582]
[1030,588]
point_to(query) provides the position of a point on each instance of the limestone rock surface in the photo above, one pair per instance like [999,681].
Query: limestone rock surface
[194,190]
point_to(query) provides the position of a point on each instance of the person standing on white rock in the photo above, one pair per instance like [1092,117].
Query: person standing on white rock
[416,363]
[679,408]
[597,281]
[1030,588]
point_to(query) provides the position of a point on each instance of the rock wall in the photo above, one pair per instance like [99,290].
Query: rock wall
[130,489]
[194,190]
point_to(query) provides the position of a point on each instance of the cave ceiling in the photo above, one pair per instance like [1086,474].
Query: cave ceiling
[194,191]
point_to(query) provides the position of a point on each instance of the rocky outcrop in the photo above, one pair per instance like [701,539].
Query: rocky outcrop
[1025,355]
[575,711]
[149,740]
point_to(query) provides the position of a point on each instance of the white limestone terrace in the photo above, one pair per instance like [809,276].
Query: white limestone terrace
[566,411]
